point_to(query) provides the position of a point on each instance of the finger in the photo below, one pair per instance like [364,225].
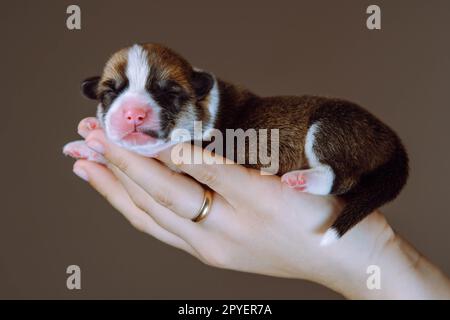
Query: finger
[229,179]
[178,193]
[198,235]
[107,185]
[166,218]
[87,125]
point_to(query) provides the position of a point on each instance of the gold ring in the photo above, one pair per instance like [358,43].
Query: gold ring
[206,206]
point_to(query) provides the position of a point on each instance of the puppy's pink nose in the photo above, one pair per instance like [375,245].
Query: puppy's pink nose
[135,115]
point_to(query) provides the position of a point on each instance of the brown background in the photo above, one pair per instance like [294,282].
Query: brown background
[50,219]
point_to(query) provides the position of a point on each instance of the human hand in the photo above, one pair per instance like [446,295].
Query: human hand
[256,223]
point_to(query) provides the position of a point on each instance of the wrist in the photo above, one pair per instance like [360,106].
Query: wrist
[362,251]
[373,262]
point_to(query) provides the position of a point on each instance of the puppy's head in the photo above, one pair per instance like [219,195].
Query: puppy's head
[146,92]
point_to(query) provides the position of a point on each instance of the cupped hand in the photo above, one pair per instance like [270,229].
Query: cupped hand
[256,223]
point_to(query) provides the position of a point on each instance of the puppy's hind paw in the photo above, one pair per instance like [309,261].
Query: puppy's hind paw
[295,179]
[315,181]
[79,150]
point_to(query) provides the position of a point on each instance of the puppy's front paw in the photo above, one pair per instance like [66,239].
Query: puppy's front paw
[79,150]
[87,125]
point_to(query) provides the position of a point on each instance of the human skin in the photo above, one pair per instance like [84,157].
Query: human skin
[256,223]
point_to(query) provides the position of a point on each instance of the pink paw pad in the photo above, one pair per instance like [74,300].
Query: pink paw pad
[87,125]
[74,149]
[74,154]
[79,150]
[295,180]
[91,124]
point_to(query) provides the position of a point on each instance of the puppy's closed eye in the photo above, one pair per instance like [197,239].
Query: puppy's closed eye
[111,89]
[115,86]
[169,94]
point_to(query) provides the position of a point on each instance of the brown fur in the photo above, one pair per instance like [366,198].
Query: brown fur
[368,159]
[169,65]
[114,69]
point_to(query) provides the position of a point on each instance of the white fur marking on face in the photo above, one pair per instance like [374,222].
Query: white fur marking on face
[137,72]
[120,100]
[99,115]
[137,68]
[186,120]
[325,171]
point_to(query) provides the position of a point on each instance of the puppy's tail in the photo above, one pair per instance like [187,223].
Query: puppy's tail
[372,191]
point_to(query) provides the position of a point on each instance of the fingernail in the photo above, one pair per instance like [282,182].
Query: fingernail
[80,173]
[96,146]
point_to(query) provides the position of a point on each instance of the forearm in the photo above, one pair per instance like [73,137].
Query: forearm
[403,272]
[410,275]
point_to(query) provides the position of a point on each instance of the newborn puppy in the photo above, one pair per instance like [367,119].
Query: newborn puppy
[326,146]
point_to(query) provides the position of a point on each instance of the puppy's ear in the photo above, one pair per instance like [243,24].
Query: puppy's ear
[202,82]
[89,87]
